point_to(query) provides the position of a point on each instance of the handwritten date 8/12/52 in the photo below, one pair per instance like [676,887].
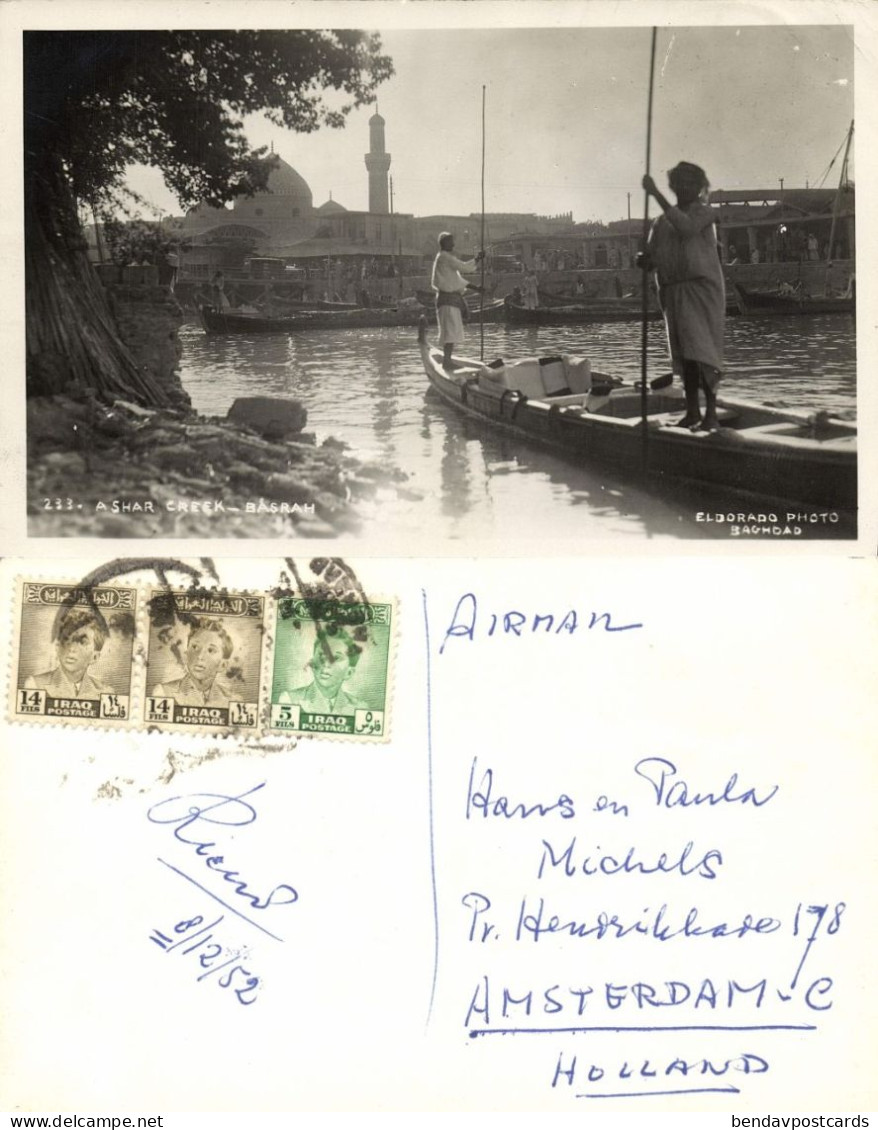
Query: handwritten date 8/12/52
[211,956]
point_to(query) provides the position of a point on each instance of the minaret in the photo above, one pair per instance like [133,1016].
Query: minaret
[378,163]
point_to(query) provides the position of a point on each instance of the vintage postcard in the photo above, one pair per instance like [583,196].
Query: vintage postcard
[634,261]
[437,542]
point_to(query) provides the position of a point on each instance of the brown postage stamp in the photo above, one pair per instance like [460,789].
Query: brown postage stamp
[204,660]
[73,652]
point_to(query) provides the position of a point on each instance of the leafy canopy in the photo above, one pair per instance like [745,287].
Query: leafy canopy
[103,100]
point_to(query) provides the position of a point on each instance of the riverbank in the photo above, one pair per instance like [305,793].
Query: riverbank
[128,471]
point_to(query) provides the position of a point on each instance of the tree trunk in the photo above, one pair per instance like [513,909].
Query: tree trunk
[72,340]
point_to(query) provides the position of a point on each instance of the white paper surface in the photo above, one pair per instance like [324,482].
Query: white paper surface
[381,987]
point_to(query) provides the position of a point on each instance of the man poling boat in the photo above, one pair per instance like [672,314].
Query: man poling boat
[682,250]
[450,286]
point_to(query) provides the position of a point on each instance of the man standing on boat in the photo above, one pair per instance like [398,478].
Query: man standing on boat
[450,286]
[682,250]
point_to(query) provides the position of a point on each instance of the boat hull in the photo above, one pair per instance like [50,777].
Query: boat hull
[228,322]
[765,302]
[769,461]
[619,310]
[216,322]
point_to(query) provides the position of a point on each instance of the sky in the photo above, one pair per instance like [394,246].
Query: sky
[566,117]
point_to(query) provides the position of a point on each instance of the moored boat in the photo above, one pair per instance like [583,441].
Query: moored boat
[237,322]
[779,456]
[778,302]
[603,310]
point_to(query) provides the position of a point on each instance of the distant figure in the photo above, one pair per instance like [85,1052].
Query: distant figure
[580,288]
[754,255]
[208,650]
[682,250]
[531,296]
[167,262]
[733,255]
[218,292]
[450,287]
[813,247]
[333,662]
[78,644]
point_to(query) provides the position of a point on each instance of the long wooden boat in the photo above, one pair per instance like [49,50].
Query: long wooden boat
[786,458]
[773,302]
[605,310]
[555,298]
[474,301]
[234,322]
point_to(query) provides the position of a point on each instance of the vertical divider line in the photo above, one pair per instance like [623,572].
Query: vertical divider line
[429,705]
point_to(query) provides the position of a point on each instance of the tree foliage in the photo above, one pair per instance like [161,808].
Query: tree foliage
[140,242]
[97,102]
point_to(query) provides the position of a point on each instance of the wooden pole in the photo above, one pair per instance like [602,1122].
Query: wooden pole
[841,179]
[644,336]
[482,244]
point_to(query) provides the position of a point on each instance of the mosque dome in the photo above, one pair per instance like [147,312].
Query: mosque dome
[331,206]
[287,196]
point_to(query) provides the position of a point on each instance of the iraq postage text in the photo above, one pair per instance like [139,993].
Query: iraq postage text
[73,653]
[330,670]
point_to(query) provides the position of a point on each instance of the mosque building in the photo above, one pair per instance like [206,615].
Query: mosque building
[283,223]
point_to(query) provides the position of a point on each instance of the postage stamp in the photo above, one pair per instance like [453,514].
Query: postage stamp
[331,667]
[73,652]
[204,659]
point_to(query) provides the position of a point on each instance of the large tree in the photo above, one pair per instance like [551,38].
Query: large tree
[96,102]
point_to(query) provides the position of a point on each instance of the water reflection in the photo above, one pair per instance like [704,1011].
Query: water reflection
[467,482]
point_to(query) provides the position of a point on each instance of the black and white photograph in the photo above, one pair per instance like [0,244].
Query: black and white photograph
[448,285]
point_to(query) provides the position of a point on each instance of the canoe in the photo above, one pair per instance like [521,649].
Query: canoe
[492,311]
[772,302]
[604,310]
[235,322]
[786,458]
[593,310]
[554,298]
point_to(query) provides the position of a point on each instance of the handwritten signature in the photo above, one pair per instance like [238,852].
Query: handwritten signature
[188,813]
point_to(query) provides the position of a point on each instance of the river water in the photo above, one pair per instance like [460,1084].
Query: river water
[466,483]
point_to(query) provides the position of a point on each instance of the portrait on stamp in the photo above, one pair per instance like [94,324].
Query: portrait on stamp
[209,647]
[330,667]
[74,651]
[204,659]
[334,660]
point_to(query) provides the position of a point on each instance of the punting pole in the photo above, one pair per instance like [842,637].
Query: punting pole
[842,178]
[644,335]
[482,244]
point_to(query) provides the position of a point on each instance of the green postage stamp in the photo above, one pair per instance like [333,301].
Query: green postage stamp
[330,669]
